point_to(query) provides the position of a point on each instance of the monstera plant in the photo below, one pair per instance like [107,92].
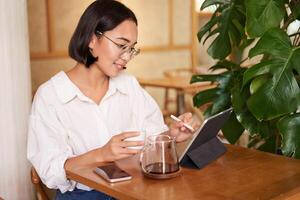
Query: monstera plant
[265,96]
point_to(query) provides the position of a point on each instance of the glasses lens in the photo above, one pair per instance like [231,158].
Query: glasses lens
[134,51]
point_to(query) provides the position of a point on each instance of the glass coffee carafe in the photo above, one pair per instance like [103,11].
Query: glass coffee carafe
[159,158]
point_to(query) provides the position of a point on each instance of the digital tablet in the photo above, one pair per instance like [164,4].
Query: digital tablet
[208,131]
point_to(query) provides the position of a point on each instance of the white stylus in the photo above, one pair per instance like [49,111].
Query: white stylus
[184,124]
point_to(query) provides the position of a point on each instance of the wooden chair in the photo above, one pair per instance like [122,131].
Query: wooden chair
[39,186]
[168,100]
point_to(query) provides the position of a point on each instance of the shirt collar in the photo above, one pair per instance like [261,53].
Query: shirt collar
[118,84]
[66,90]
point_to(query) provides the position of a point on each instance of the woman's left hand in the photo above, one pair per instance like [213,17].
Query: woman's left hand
[179,131]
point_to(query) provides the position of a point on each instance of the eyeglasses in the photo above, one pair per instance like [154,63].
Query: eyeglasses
[123,47]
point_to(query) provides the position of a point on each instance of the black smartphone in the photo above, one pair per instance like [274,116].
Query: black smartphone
[112,173]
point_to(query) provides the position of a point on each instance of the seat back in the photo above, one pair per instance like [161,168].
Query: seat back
[39,186]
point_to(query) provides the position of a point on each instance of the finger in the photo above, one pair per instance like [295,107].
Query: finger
[196,125]
[183,136]
[186,117]
[129,151]
[183,126]
[173,132]
[123,156]
[131,143]
[125,135]
[184,129]
[177,124]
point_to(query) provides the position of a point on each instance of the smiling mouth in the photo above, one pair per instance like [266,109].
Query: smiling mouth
[121,66]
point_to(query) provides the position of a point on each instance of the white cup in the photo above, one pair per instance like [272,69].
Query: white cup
[141,137]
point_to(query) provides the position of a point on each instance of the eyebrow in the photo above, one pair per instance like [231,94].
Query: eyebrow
[125,39]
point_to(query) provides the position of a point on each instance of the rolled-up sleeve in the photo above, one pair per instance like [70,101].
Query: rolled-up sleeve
[47,146]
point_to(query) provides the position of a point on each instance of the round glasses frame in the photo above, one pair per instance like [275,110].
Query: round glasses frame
[123,47]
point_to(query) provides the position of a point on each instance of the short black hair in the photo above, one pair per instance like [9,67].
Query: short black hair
[101,15]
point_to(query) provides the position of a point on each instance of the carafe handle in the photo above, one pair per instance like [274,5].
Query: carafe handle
[142,156]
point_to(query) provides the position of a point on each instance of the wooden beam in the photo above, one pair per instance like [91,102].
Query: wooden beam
[64,54]
[194,40]
[49,55]
[50,25]
[171,35]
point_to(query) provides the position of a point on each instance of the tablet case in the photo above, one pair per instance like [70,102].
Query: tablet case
[206,147]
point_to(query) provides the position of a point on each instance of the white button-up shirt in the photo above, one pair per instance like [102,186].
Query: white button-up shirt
[65,123]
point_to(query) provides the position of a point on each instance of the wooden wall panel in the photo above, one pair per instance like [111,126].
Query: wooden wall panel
[152,64]
[153,21]
[182,22]
[37,25]
[66,15]
[42,70]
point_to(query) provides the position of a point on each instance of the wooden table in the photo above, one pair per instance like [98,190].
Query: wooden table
[239,174]
[180,83]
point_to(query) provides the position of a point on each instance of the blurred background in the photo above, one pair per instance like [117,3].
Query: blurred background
[34,37]
[167,38]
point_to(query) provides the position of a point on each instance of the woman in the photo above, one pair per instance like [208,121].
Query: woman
[81,116]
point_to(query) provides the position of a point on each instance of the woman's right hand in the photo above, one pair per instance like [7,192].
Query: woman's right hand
[117,147]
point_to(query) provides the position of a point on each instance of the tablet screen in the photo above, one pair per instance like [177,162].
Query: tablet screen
[209,129]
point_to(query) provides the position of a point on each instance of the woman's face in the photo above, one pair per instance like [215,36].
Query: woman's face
[113,48]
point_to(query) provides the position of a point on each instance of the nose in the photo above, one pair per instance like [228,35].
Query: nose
[126,56]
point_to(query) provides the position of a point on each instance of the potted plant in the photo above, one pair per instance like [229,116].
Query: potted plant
[264,96]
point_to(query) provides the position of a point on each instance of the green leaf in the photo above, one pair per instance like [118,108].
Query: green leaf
[269,145]
[210,34]
[228,22]
[271,99]
[219,96]
[232,129]
[289,127]
[225,64]
[258,82]
[295,7]
[243,115]
[204,78]
[205,97]
[275,98]
[295,59]
[246,42]
[207,27]
[220,47]
[263,15]
[208,3]
[265,92]
[274,42]
[257,70]
[207,112]
[221,102]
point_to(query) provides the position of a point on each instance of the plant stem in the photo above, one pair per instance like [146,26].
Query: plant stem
[244,60]
[292,35]
[289,20]
[297,43]
[296,39]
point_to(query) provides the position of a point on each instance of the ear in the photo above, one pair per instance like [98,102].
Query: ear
[93,41]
